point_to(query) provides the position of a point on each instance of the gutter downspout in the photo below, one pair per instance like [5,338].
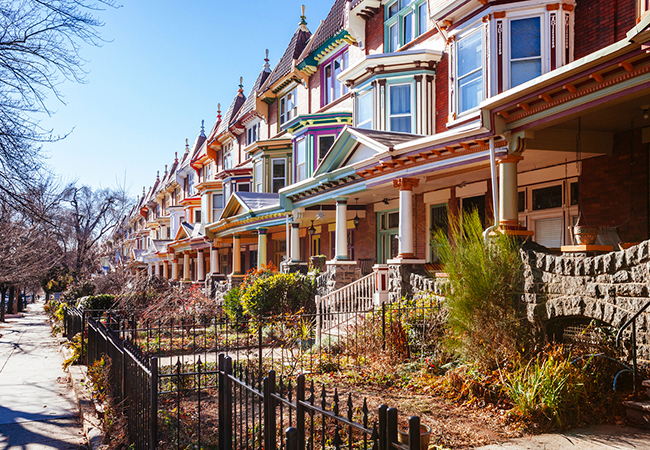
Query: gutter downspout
[495,203]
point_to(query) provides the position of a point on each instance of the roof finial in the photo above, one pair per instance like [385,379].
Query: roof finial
[303,22]
[176,157]
[202,127]
[218,111]
[187,146]
[266,61]
[165,169]
[143,192]
[157,175]
[241,85]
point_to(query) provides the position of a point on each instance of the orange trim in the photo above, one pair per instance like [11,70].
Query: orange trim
[499,15]
[523,105]
[569,87]
[596,76]
[553,7]
[508,159]
[626,65]
[504,114]
[547,98]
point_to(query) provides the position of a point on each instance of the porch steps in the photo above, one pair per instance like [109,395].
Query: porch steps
[639,412]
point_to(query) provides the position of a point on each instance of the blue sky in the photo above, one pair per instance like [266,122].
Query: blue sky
[165,67]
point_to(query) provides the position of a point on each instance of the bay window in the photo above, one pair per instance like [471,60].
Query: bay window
[525,50]
[288,106]
[278,173]
[217,206]
[252,133]
[405,20]
[469,70]
[301,160]
[332,87]
[258,177]
[400,108]
[364,109]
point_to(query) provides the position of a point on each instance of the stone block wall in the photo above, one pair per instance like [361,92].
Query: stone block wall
[610,287]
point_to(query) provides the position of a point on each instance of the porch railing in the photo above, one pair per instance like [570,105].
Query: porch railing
[339,309]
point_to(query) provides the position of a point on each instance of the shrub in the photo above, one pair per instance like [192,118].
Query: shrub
[280,293]
[481,295]
[78,289]
[103,301]
[232,305]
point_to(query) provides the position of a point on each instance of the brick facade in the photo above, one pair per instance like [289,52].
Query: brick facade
[375,33]
[589,16]
[442,94]
[365,236]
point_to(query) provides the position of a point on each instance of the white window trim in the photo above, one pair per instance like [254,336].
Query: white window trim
[259,176]
[329,97]
[318,138]
[544,36]
[273,178]
[242,183]
[388,104]
[474,29]
[371,120]
[289,114]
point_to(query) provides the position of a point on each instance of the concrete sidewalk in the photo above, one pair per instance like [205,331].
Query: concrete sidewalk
[38,409]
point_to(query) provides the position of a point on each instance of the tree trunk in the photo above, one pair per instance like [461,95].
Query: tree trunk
[10,305]
[20,299]
[3,292]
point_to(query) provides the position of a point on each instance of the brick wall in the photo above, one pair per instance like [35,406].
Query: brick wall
[365,237]
[421,231]
[594,26]
[615,189]
[375,33]
[325,242]
[442,94]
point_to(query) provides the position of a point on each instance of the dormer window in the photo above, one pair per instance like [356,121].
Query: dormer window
[332,87]
[469,80]
[252,133]
[288,106]
[227,156]
[405,20]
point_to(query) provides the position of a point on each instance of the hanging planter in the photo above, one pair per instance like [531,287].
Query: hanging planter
[584,235]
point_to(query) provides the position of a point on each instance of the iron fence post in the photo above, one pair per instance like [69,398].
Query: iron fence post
[300,411]
[259,339]
[291,438]
[383,433]
[269,411]
[228,405]
[383,326]
[153,436]
[636,393]
[414,433]
[222,402]
[391,427]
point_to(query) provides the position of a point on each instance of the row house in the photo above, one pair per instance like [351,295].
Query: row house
[395,114]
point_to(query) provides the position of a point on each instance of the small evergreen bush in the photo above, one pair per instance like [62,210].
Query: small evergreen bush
[102,301]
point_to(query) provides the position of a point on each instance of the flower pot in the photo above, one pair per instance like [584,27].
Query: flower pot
[425,436]
[584,235]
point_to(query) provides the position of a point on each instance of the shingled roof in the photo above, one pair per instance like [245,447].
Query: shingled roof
[236,104]
[332,24]
[249,104]
[293,51]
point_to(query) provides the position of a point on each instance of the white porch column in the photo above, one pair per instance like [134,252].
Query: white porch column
[200,266]
[157,268]
[262,261]
[149,269]
[406,234]
[186,267]
[164,270]
[175,269]
[236,255]
[508,191]
[214,260]
[295,242]
[341,246]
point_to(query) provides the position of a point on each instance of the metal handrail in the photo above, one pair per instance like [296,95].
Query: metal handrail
[632,321]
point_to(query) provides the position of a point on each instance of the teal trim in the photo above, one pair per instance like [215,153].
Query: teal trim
[310,60]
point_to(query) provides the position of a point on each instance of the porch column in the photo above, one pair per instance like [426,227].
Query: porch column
[406,236]
[149,269]
[236,255]
[295,242]
[200,265]
[341,246]
[157,268]
[261,248]
[186,267]
[175,269]
[164,270]
[508,192]
[214,260]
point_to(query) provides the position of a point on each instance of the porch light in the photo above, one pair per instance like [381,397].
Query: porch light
[645,109]
[311,229]
[356,219]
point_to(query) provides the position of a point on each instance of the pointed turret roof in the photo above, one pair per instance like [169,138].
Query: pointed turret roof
[236,104]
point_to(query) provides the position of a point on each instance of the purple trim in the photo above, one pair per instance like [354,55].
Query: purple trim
[596,102]
[322,74]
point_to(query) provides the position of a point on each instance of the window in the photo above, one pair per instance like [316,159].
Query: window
[217,206]
[525,50]
[332,87]
[258,177]
[400,108]
[208,172]
[190,184]
[227,156]
[301,160]
[549,197]
[278,174]
[243,187]
[470,71]
[324,145]
[364,109]
[197,216]
[288,107]
[405,20]
[252,133]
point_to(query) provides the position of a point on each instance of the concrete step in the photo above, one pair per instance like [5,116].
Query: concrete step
[638,412]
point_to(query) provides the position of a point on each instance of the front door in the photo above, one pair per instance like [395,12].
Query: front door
[387,235]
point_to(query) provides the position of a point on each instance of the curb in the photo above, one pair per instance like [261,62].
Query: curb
[92,424]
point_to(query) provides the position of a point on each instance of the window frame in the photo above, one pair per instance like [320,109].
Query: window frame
[273,177]
[297,152]
[357,109]
[544,56]
[397,20]
[286,116]
[457,100]
[411,114]
[318,144]
[214,208]
[228,158]
[328,93]
[243,183]
[258,173]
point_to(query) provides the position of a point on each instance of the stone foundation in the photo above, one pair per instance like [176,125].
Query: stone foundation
[401,284]
[339,274]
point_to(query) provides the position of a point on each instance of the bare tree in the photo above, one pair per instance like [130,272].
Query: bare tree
[39,48]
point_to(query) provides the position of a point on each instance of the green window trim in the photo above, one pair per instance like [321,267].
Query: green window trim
[403,23]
